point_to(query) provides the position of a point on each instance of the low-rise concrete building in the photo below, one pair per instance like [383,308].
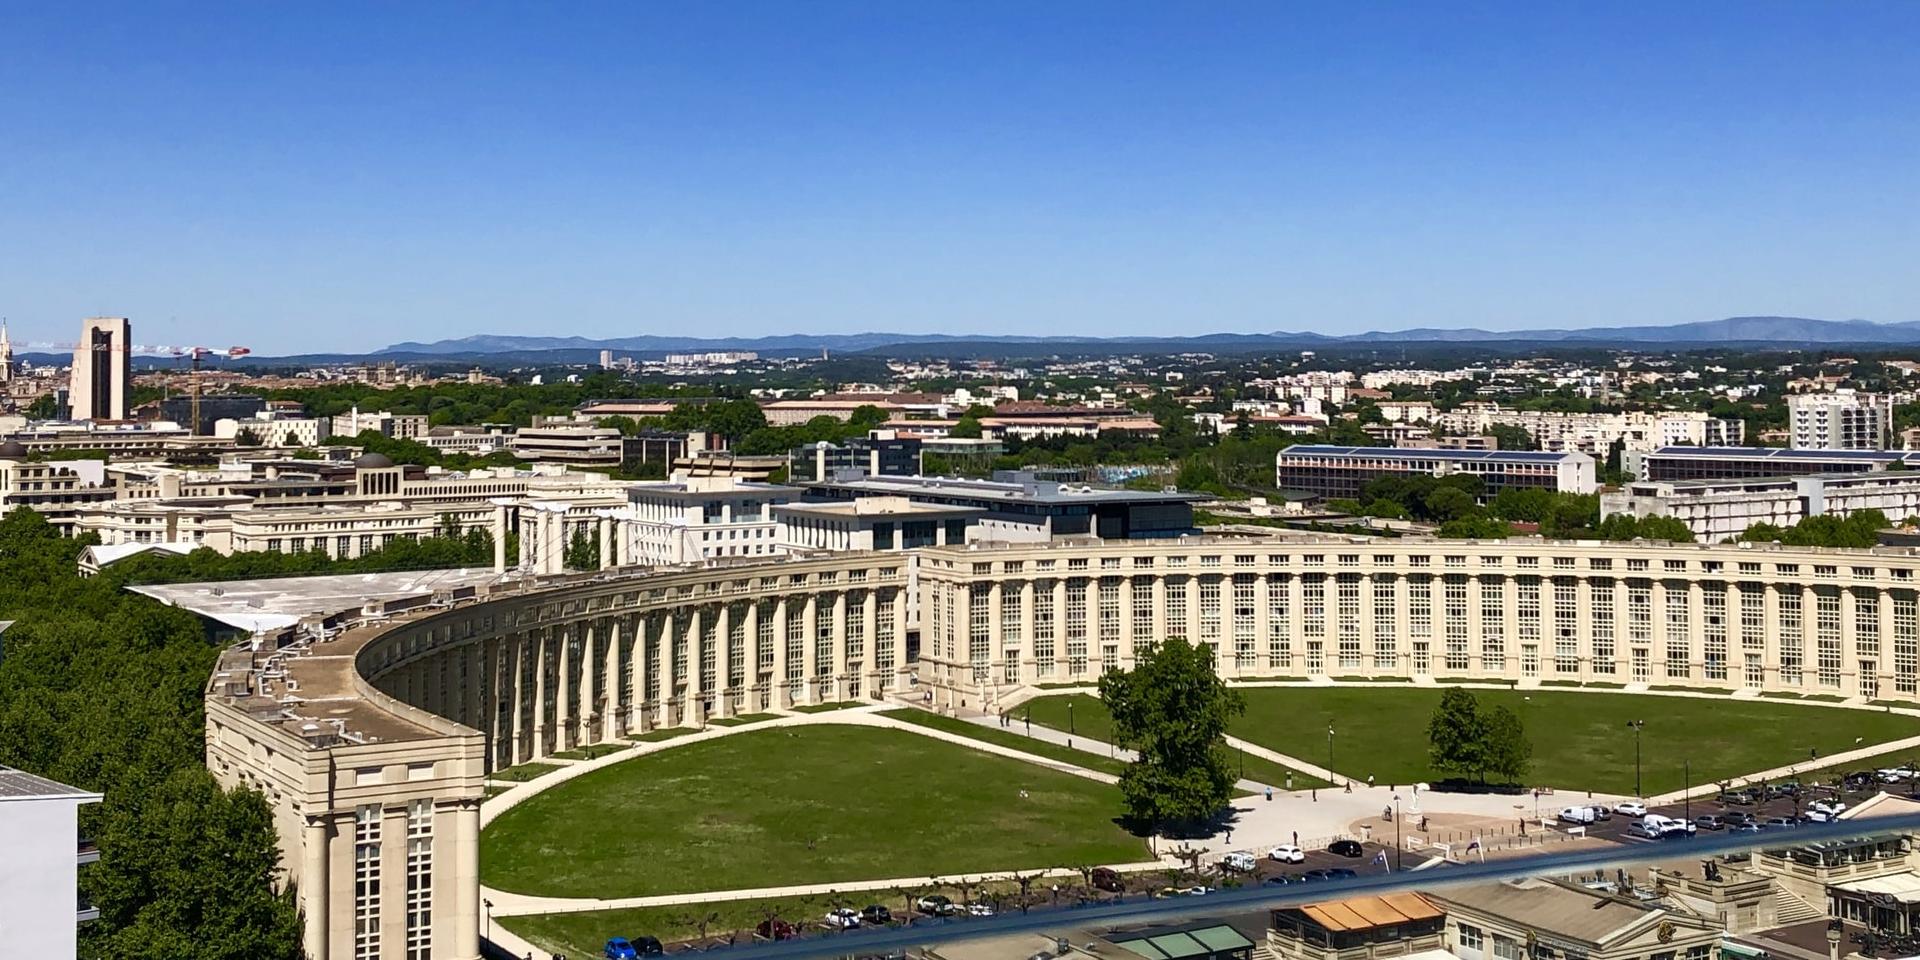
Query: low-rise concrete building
[700,518]
[873,523]
[1718,510]
[40,906]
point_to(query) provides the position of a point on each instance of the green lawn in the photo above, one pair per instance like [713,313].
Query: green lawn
[592,751]
[1010,738]
[742,720]
[662,733]
[800,805]
[1580,740]
[825,707]
[523,772]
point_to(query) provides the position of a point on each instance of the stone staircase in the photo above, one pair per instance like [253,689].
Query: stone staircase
[1791,908]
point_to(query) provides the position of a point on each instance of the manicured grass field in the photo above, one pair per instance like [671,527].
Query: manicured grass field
[523,772]
[662,733]
[1580,739]
[1011,738]
[801,805]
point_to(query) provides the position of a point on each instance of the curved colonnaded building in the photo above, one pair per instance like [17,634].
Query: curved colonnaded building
[372,735]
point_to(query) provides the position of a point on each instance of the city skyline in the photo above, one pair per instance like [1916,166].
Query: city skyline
[338,183]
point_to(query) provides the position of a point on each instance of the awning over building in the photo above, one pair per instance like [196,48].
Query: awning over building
[1195,944]
[1904,887]
[1367,913]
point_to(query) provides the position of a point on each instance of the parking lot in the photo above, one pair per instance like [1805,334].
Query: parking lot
[1618,827]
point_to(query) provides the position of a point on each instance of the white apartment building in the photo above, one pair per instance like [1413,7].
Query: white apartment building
[1596,433]
[40,908]
[277,431]
[1842,420]
[472,441]
[700,518]
[400,426]
[873,523]
[1717,510]
[572,443]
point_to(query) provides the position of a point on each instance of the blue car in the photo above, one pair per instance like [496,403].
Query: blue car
[619,949]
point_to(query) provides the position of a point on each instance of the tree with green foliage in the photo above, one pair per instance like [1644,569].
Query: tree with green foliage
[1475,527]
[1508,437]
[1447,503]
[583,552]
[102,688]
[1173,709]
[245,437]
[965,428]
[1508,753]
[1623,527]
[43,407]
[1859,530]
[1457,734]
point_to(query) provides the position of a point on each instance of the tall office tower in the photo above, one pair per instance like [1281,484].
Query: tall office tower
[6,354]
[606,359]
[102,369]
[1841,420]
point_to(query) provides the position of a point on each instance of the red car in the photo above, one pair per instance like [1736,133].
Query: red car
[774,928]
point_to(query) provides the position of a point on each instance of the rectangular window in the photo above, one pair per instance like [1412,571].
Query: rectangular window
[1386,614]
[1076,625]
[1279,622]
[1313,604]
[1792,620]
[1906,644]
[1142,593]
[420,880]
[1043,627]
[1713,630]
[1826,634]
[1679,625]
[1493,624]
[1243,617]
[366,882]
[1454,621]
[1600,613]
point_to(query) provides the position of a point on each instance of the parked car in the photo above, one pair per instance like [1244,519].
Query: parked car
[619,948]
[774,928]
[1738,817]
[1108,879]
[1747,827]
[979,909]
[1708,821]
[1676,828]
[1744,798]
[1313,875]
[1276,880]
[842,918]
[1195,891]
[935,905]
[1859,780]
[1649,828]
[1780,823]
[1345,848]
[1828,808]
[1581,815]
[875,914]
[1287,853]
[1239,861]
[1340,873]
[1630,808]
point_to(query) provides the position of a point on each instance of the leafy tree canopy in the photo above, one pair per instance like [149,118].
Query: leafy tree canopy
[1173,709]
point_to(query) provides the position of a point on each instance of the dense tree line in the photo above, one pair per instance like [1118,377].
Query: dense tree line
[1859,529]
[1452,503]
[101,688]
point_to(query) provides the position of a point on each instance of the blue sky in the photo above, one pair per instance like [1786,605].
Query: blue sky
[340,176]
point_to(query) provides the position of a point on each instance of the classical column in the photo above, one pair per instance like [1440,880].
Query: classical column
[313,884]
[695,651]
[541,741]
[606,542]
[1027,673]
[723,659]
[565,712]
[810,647]
[837,651]
[500,536]
[612,716]
[780,687]
[996,639]
[592,677]
[466,881]
[516,662]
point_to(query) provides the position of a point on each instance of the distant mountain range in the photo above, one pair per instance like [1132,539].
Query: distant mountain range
[1784,331]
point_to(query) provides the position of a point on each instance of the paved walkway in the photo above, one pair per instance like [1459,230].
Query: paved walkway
[517,904]
[1791,770]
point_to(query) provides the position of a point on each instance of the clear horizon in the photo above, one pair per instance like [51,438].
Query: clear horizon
[337,180]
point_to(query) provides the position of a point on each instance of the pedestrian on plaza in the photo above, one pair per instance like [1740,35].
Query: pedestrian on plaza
[1269,793]
[1296,838]
[1386,813]
[1349,786]
[1369,779]
[1423,821]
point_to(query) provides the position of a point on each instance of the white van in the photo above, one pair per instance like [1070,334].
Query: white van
[1580,815]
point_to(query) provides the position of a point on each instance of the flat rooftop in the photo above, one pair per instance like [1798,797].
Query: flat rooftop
[1787,455]
[1431,453]
[283,601]
[21,785]
[1001,491]
[878,507]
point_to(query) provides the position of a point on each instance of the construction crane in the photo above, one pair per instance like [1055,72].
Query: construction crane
[194,357]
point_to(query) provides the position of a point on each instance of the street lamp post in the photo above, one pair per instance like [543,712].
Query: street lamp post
[489,904]
[1070,716]
[1399,865]
[1329,746]
[1637,725]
